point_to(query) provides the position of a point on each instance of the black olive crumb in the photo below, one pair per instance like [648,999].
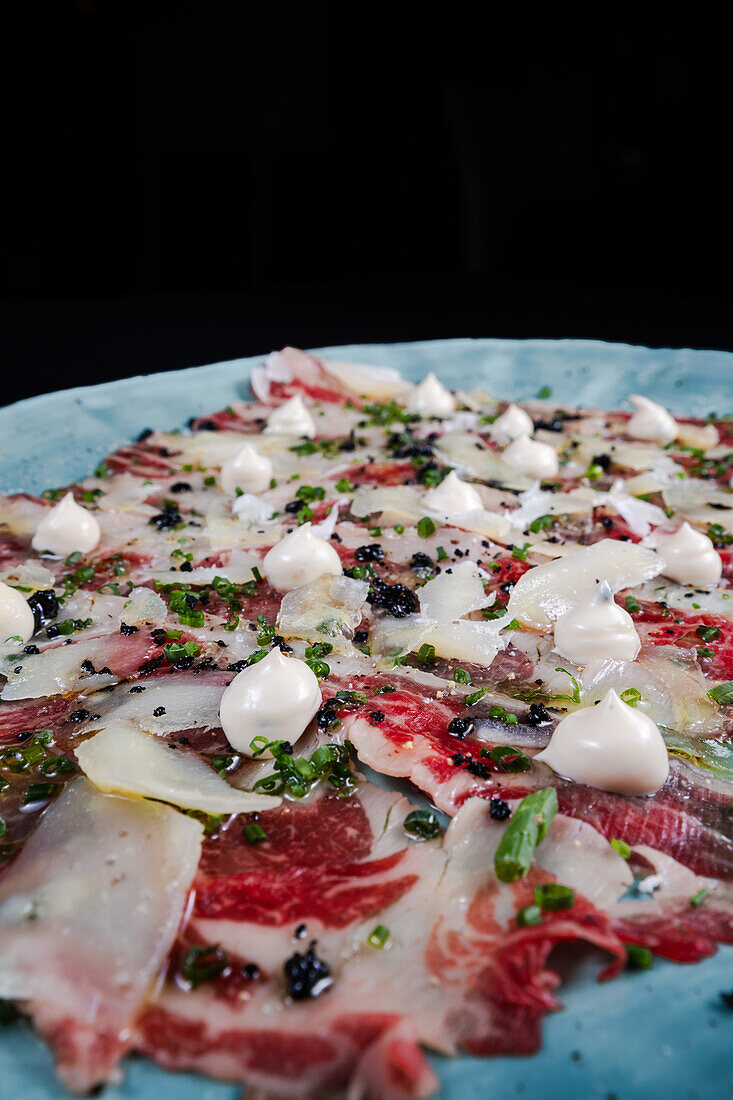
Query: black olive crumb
[499,810]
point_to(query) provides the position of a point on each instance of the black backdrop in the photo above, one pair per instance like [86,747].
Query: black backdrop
[198,180]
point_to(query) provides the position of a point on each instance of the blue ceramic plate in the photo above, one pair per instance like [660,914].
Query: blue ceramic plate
[658,1033]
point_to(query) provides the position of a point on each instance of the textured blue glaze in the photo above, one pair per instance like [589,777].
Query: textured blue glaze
[658,1033]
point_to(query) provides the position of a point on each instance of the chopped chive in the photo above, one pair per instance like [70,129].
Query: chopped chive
[551,896]
[378,938]
[469,700]
[442,555]
[178,651]
[541,524]
[254,833]
[529,915]
[544,392]
[638,958]
[462,676]
[425,527]
[320,668]
[699,897]
[39,792]
[426,654]
[343,485]
[708,633]
[520,552]
[621,847]
[631,696]
[203,963]
[722,693]
[399,529]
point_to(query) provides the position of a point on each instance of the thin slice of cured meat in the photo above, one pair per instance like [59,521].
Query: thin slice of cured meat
[688,819]
[455,972]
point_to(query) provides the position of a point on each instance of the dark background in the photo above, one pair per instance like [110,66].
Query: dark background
[196,181]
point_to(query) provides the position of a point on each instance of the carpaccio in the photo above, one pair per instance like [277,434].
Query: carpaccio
[316,948]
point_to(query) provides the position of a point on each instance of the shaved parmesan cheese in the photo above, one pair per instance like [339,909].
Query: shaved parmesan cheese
[90,908]
[662,473]
[536,502]
[634,456]
[469,455]
[328,609]
[391,638]
[701,436]
[238,569]
[251,510]
[639,514]
[124,760]
[546,592]
[187,702]
[364,380]
[717,601]
[700,502]
[395,503]
[29,575]
[451,595]
[55,671]
[467,640]
[145,606]
[226,532]
[327,526]
[444,600]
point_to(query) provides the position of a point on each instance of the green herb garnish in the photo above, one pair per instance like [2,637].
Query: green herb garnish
[379,936]
[422,825]
[551,896]
[524,832]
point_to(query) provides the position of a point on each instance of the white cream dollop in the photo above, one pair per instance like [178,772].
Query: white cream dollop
[597,627]
[512,423]
[650,421]
[16,617]
[299,558]
[531,457]
[292,418]
[274,698]
[690,557]
[431,398]
[611,746]
[453,496]
[67,528]
[249,470]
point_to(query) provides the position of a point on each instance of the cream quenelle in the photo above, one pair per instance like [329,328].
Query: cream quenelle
[299,558]
[650,421]
[531,457]
[690,557]
[453,496]
[512,423]
[249,470]
[274,698]
[292,418]
[611,746]
[66,529]
[16,617]
[596,628]
[431,398]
